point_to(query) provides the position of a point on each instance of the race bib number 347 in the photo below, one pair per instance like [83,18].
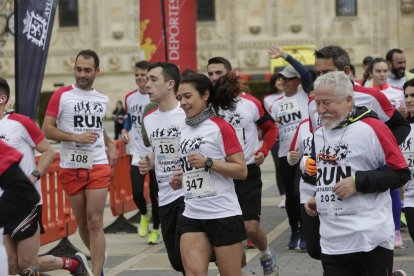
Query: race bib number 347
[197,183]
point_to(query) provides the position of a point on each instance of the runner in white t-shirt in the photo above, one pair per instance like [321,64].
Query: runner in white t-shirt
[22,237]
[334,58]
[135,102]
[163,126]
[289,111]
[211,158]
[75,116]
[247,116]
[358,161]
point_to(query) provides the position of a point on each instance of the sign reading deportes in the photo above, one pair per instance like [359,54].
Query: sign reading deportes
[34,23]
[179,45]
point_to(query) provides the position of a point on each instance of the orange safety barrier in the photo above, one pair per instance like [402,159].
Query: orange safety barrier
[57,218]
[121,199]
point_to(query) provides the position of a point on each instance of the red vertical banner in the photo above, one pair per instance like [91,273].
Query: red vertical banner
[179,45]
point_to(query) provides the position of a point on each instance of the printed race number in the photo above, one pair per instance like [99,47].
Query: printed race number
[79,158]
[166,147]
[329,198]
[194,184]
[288,105]
[409,157]
[197,183]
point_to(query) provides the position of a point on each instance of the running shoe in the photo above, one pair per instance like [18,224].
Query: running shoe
[399,273]
[143,226]
[269,265]
[294,241]
[154,237]
[83,268]
[250,244]
[30,271]
[282,203]
[398,243]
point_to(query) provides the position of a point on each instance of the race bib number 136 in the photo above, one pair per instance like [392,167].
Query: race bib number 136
[166,147]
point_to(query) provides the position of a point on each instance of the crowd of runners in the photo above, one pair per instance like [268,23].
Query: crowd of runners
[341,146]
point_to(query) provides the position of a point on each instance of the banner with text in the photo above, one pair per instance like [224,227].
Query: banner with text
[34,19]
[179,44]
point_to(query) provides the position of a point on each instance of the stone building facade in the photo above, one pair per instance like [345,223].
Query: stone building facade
[240,30]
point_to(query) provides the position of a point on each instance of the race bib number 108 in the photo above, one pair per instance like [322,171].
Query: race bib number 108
[79,159]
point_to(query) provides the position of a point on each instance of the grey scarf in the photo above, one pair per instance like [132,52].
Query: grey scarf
[206,114]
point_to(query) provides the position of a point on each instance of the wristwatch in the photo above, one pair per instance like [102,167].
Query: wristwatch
[209,163]
[36,174]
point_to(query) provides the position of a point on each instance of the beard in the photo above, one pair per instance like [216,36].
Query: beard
[328,123]
[398,73]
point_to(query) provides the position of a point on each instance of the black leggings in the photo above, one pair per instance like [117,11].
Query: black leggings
[311,231]
[409,216]
[170,216]
[290,178]
[137,182]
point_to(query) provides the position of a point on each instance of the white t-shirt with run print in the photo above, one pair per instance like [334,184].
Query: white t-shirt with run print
[78,111]
[289,112]
[164,131]
[21,133]
[209,195]
[351,225]
[135,103]
[248,111]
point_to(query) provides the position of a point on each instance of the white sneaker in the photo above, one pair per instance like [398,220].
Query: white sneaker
[282,201]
